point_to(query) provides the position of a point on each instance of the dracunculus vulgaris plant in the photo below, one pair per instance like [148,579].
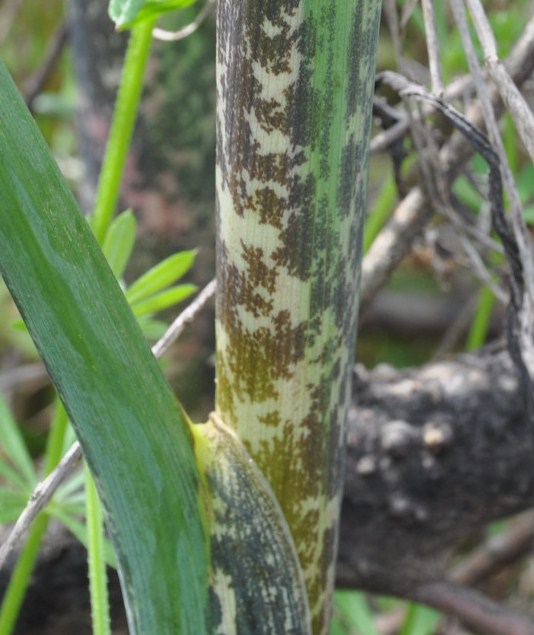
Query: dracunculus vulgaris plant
[230,526]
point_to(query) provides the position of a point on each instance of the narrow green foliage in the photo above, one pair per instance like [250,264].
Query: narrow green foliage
[15,461]
[78,528]
[380,212]
[20,576]
[480,325]
[134,437]
[152,329]
[352,614]
[11,504]
[150,293]
[160,276]
[163,300]
[119,242]
[97,563]
[17,481]
[56,437]
[420,620]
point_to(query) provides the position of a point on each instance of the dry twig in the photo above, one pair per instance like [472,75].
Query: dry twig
[412,214]
[39,499]
[497,552]
[515,102]
[37,81]
[175,329]
[432,46]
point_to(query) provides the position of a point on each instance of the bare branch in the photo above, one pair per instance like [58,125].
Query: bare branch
[413,212]
[393,243]
[497,552]
[516,211]
[432,46]
[176,328]
[39,499]
[36,82]
[474,609]
[514,101]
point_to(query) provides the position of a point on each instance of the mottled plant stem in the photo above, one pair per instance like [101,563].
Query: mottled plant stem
[295,86]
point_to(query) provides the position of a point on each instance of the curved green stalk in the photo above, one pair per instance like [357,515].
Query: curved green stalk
[122,127]
[481,321]
[134,438]
[380,212]
[96,560]
[295,86]
[20,577]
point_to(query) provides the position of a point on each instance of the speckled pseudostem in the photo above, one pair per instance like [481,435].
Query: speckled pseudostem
[257,585]
[295,85]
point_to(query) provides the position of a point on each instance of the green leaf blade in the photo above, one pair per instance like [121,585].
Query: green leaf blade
[161,276]
[119,242]
[11,505]
[12,445]
[134,437]
[164,300]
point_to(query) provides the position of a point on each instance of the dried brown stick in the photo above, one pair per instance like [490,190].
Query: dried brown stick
[474,609]
[489,559]
[36,82]
[39,499]
[414,211]
[514,65]
[432,45]
[515,102]
[187,315]
[497,552]
[490,122]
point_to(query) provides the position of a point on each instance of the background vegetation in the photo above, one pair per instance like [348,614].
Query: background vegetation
[433,305]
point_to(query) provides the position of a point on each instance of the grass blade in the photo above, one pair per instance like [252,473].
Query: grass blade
[161,276]
[12,444]
[163,300]
[119,242]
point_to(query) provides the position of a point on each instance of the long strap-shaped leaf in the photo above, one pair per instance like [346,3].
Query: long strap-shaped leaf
[136,441]
[295,86]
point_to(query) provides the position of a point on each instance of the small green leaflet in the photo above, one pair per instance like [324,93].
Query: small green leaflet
[127,13]
[15,461]
[163,300]
[120,241]
[161,276]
